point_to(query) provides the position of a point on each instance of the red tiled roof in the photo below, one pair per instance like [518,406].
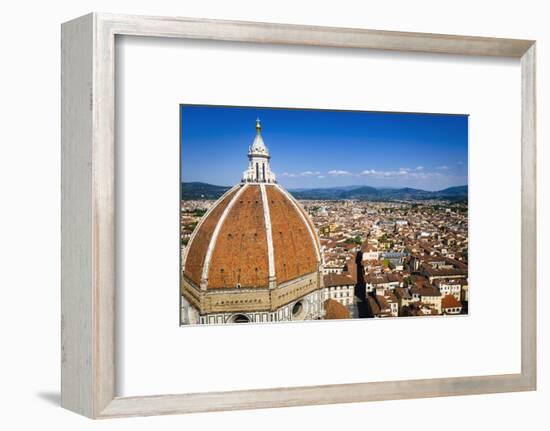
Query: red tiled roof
[335,310]
[449,301]
[199,245]
[240,252]
[338,280]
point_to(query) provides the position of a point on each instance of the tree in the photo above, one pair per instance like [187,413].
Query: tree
[199,212]
[356,240]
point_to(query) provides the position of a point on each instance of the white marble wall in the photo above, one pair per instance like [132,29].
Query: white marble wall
[311,303]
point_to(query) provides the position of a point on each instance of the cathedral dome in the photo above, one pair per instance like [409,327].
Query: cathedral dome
[255,236]
[254,256]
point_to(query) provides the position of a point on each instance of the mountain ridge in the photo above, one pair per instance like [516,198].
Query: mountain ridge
[200,190]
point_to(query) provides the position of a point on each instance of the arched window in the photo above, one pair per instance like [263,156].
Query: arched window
[263,172]
[240,318]
[257,172]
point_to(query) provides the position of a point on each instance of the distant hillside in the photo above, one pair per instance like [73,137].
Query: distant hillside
[459,193]
[201,191]
[383,194]
[335,193]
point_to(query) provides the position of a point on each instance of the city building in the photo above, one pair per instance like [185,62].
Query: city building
[450,287]
[443,268]
[450,305]
[339,287]
[379,306]
[428,295]
[404,298]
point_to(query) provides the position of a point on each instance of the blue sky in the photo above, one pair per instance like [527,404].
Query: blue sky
[325,148]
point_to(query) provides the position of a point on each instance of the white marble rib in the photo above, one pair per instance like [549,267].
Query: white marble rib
[269,233]
[203,218]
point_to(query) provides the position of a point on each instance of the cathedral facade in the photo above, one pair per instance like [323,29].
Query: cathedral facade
[254,256]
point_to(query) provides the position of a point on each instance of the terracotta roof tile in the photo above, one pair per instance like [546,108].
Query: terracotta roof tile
[201,239]
[240,254]
[335,310]
[338,280]
[293,247]
[449,301]
[240,251]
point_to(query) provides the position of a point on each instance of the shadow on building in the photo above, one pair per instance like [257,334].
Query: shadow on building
[360,291]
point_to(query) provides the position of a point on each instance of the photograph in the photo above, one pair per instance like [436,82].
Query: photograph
[307,214]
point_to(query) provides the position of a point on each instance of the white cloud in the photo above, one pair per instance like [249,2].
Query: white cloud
[300,174]
[368,172]
[309,173]
[375,173]
[399,173]
[339,173]
[418,173]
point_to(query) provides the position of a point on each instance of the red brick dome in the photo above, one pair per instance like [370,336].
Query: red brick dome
[254,236]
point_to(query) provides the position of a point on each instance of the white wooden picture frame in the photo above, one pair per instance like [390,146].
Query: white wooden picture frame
[88,214]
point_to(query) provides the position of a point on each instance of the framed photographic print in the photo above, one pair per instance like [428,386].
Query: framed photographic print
[266,215]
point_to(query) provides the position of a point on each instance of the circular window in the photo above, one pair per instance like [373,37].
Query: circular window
[298,310]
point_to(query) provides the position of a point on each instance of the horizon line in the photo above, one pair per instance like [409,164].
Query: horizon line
[336,187]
